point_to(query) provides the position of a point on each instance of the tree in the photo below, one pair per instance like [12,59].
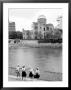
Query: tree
[12,35]
[58,34]
[49,35]
[19,35]
[15,35]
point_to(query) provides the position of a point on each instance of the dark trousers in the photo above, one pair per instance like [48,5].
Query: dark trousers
[24,74]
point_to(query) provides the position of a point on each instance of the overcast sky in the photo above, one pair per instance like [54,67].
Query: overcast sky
[24,17]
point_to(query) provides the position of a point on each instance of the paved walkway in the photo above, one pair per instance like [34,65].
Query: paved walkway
[14,78]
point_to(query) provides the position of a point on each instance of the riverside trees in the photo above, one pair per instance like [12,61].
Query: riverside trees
[53,37]
[15,35]
[50,37]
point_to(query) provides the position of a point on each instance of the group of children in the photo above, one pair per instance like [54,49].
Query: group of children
[32,74]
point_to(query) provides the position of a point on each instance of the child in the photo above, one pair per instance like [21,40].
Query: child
[23,72]
[31,73]
[37,73]
[18,71]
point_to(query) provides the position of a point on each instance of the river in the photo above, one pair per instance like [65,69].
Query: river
[47,59]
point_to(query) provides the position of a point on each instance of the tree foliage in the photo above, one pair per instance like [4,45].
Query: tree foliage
[15,35]
[53,37]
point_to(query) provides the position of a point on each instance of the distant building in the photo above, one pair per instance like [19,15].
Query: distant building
[39,29]
[11,26]
[32,34]
[41,19]
[27,34]
[59,20]
[24,34]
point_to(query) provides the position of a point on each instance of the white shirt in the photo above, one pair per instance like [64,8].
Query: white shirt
[31,70]
[37,71]
[23,69]
[18,68]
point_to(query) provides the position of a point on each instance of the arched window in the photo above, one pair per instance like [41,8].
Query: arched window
[44,28]
[40,27]
[47,28]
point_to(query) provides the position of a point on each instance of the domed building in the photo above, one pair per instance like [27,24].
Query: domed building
[42,27]
[42,19]
[39,29]
[41,16]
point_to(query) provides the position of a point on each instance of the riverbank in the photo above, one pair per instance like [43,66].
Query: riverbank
[14,78]
[48,76]
[34,44]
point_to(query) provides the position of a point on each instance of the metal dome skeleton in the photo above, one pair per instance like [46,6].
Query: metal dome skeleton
[41,16]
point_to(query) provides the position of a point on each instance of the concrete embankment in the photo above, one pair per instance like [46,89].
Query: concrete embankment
[34,44]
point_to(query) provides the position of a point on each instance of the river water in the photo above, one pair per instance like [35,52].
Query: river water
[46,59]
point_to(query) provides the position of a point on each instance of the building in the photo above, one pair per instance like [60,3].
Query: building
[24,34]
[11,26]
[58,29]
[59,20]
[32,34]
[35,30]
[49,28]
[41,28]
[41,19]
[28,34]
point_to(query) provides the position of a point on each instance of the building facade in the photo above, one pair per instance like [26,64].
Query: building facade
[11,26]
[59,20]
[39,29]
[24,34]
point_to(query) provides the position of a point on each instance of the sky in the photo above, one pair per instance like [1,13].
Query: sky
[24,18]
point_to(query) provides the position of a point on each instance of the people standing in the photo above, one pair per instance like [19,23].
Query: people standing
[37,73]
[31,73]
[23,72]
[18,71]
